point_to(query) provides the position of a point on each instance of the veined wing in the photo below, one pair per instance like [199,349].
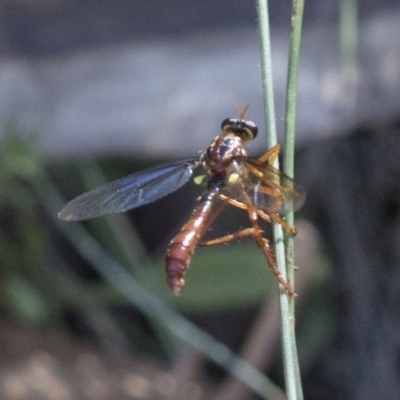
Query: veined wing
[129,192]
[269,189]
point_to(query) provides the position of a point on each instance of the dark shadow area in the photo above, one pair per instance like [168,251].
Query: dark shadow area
[353,186]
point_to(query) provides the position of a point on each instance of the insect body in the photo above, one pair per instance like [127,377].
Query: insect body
[181,247]
[233,179]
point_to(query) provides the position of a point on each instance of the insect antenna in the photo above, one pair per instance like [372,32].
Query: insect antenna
[241,112]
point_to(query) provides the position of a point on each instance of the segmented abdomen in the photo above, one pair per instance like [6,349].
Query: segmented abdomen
[182,246]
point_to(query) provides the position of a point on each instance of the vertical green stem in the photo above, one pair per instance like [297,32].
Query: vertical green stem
[288,160]
[266,73]
[291,370]
[291,89]
[348,33]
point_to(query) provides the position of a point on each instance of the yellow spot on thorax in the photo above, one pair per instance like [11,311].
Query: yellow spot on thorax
[233,177]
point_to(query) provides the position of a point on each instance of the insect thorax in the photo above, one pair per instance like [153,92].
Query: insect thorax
[221,152]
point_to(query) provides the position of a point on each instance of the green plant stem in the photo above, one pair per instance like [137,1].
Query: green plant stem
[288,160]
[348,33]
[290,359]
[291,89]
[266,74]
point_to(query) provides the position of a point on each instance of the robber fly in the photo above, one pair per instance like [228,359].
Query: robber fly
[232,178]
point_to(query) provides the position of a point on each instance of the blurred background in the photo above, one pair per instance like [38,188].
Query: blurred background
[92,91]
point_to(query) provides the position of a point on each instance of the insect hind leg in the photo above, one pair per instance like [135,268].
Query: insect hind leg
[248,232]
[263,244]
[257,234]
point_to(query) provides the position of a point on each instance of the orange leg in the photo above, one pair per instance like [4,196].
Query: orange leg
[290,229]
[257,233]
[263,215]
[263,244]
[227,238]
[254,213]
[270,155]
[242,206]
[272,184]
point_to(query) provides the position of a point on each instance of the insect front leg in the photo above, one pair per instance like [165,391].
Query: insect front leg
[270,155]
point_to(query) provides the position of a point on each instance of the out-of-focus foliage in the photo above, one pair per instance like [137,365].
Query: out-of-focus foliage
[23,239]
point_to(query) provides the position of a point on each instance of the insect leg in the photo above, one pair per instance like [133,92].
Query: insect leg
[257,232]
[227,238]
[268,217]
[243,206]
[270,155]
[263,244]
[272,184]
[288,228]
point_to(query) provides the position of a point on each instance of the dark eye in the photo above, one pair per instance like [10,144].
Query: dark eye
[247,130]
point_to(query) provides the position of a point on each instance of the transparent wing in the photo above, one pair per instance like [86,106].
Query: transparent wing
[269,189]
[132,191]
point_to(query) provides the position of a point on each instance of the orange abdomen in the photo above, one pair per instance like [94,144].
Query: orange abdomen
[182,246]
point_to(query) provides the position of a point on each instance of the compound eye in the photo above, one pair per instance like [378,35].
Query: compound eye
[246,130]
[228,124]
[250,130]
